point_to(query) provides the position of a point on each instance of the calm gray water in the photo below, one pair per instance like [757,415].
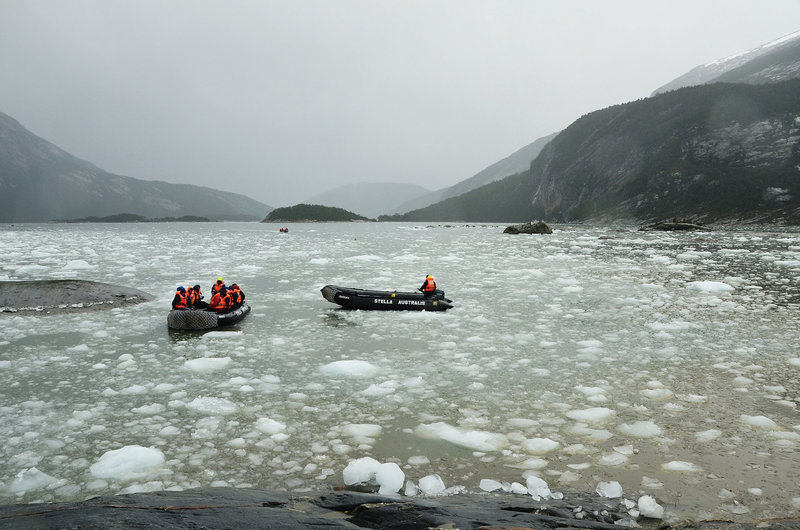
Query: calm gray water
[588,355]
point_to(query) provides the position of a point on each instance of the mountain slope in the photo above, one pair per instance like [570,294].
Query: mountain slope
[713,152]
[514,163]
[369,199]
[40,182]
[775,61]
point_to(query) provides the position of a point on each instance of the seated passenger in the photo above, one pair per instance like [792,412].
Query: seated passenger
[196,298]
[237,296]
[181,300]
[221,301]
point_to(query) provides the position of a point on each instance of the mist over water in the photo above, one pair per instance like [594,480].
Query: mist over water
[667,362]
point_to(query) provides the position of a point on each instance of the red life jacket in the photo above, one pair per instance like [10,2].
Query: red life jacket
[430,285]
[183,301]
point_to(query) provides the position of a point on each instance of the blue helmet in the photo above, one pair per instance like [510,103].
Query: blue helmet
[181,289]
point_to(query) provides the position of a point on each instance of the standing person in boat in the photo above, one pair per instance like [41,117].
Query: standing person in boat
[180,300]
[220,283]
[196,298]
[428,286]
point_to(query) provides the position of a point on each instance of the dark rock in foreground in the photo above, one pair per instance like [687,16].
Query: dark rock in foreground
[60,296]
[534,227]
[247,508]
[250,508]
[676,225]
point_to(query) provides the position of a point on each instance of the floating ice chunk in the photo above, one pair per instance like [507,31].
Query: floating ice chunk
[361,470]
[707,436]
[411,489]
[710,287]
[380,389]
[761,422]
[131,462]
[794,361]
[611,489]
[613,459]
[77,265]
[537,488]
[522,423]
[648,507]
[361,430]
[539,446]
[517,488]
[269,426]
[657,393]
[390,478]
[678,465]
[350,367]
[591,415]
[212,405]
[471,439]
[490,485]
[533,463]
[432,485]
[418,460]
[29,479]
[207,364]
[640,429]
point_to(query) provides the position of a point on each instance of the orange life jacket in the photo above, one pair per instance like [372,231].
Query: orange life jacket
[183,301]
[217,286]
[236,296]
[194,296]
[430,285]
[217,302]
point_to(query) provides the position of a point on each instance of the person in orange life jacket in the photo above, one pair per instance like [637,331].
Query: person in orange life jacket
[237,295]
[196,298]
[428,286]
[221,301]
[217,286]
[181,300]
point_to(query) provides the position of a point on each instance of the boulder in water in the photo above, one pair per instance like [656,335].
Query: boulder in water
[533,227]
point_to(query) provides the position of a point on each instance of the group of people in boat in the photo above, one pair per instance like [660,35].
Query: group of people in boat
[223,298]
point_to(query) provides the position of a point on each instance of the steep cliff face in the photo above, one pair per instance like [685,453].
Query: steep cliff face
[40,182]
[714,152]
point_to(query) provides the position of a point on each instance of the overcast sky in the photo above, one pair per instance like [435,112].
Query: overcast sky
[280,100]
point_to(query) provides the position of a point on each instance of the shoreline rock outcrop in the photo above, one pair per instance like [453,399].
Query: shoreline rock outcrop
[61,296]
[533,227]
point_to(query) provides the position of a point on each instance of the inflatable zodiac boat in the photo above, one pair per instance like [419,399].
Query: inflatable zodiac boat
[204,318]
[352,298]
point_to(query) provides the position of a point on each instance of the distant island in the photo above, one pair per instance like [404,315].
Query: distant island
[134,218]
[311,213]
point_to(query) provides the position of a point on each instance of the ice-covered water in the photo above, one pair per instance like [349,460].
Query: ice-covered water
[665,364]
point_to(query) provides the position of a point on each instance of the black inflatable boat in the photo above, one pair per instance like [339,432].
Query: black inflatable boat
[204,318]
[352,298]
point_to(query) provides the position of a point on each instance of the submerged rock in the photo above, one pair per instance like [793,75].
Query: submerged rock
[533,227]
[675,225]
[59,296]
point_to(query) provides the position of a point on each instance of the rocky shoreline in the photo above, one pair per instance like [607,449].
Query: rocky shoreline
[63,296]
[254,508]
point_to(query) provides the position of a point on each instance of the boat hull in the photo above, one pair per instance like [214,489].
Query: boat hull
[204,319]
[352,298]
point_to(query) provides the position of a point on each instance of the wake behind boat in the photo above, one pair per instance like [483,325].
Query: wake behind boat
[352,298]
[205,318]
